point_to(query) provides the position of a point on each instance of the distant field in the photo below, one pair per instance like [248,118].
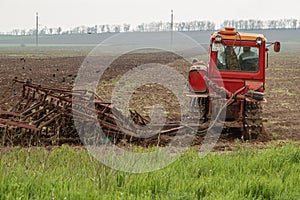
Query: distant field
[200,36]
[81,45]
[45,50]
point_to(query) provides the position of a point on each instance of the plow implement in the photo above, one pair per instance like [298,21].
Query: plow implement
[45,116]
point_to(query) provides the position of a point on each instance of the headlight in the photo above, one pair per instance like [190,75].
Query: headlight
[218,38]
[259,40]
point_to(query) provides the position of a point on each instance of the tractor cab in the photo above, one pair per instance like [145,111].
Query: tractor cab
[238,58]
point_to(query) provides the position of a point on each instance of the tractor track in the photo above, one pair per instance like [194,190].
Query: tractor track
[253,120]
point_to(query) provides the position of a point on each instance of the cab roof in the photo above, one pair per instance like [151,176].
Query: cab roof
[230,33]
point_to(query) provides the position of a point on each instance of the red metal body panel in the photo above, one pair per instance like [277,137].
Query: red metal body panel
[196,80]
[232,85]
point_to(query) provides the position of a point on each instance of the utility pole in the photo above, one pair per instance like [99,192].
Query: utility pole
[37,30]
[172,24]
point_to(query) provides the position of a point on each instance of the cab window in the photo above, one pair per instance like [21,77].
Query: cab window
[238,58]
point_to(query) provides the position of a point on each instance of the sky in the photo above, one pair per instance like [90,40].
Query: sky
[20,14]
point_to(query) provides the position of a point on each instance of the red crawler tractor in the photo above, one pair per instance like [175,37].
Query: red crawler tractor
[236,74]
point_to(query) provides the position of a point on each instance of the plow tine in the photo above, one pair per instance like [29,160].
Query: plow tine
[18,104]
[3,112]
[50,121]
[172,130]
[44,117]
[32,108]
[18,124]
[36,112]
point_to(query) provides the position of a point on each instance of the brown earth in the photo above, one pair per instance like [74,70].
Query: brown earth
[282,87]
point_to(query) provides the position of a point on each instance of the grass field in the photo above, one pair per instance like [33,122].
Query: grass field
[69,173]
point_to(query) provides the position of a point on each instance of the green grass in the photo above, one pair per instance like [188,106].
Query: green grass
[68,173]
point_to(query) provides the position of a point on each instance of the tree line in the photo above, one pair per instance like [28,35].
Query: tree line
[252,24]
[195,25]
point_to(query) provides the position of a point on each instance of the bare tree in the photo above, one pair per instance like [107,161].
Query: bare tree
[23,32]
[15,32]
[116,28]
[107,28]
[126,27]
[59,30]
